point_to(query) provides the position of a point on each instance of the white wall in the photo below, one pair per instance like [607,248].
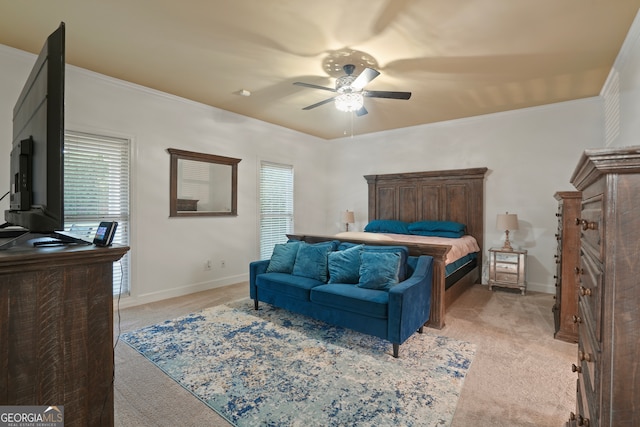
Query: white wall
[531,154]
[623,88]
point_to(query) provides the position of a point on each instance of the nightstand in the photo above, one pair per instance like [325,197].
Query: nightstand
[508,269]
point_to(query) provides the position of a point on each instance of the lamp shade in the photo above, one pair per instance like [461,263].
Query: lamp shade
[507,221]
[348,217]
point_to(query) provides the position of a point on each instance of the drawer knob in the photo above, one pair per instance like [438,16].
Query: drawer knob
[575,368]
[587,225]
[582,356]
[582,421]
[576,319]
[585,291]
[572,416]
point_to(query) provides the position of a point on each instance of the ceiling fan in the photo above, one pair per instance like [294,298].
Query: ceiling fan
[350,91]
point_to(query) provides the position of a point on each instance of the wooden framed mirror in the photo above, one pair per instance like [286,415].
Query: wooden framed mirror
[202,184]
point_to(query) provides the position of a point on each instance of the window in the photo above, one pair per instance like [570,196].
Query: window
[276,205]
[96,188]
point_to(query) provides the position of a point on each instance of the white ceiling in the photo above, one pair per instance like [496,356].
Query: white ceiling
[459,58]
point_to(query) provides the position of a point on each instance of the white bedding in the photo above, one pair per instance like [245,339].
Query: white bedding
[459,247]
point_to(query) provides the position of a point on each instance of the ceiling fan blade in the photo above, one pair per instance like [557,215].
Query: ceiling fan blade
[317,104]
[386,94]
[312,86]
[365,77]
[361,112]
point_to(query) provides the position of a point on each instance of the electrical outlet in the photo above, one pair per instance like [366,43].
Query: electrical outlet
[222,264]
[207,265]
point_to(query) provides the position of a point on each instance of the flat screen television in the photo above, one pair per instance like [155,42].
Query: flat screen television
[37,155]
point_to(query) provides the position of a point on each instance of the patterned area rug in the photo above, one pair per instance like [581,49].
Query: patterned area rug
[272,367]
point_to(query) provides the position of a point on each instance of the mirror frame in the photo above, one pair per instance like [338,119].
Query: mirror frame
[207,158]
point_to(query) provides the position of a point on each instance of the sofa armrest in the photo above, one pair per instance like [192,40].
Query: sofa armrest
[255,268]
[410,302]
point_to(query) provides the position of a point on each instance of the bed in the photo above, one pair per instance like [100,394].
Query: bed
[447,195]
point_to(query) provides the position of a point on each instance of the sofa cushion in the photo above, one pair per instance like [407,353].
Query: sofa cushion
[368,302]
[379,270]
[312,260]
[283,257]
[344,265]
[286,284]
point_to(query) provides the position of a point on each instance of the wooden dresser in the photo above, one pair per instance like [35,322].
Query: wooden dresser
[56,330]
[608,357]
[567,259]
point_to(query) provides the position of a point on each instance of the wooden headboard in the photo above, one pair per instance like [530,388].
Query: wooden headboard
[446,195]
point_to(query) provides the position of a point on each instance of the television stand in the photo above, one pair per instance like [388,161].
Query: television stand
[56,317]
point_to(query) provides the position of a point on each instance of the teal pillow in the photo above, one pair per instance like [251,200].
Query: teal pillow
[312,261]
[454,234]
[379,270]
[401,251]
[451,226]
[387,226]
[283,257]
[344,265]
[331,245]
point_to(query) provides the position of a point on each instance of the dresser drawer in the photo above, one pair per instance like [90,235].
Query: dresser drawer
[587,351]
[506,278]
[502,268]
[505,257]
[590,292]
[585,408]
[590,222]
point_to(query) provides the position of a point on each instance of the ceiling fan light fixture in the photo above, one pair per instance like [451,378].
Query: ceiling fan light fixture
[343,83]
[349,101]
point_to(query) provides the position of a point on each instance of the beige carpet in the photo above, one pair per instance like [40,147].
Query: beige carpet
[520,375]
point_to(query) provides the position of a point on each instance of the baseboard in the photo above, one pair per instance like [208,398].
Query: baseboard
[538,287]
[132,301]
[541,287]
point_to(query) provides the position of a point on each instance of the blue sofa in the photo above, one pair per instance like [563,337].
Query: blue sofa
[376,290]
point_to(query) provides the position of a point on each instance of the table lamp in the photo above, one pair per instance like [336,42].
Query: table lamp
[506,222]
[348,218]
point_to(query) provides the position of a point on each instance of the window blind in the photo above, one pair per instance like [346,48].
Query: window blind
[96,188]
[276,205]
[194,180]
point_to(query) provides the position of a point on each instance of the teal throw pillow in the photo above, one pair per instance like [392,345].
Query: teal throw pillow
[387,226]
[451,226]
[344,265]
[283,257]
[439,233]
[401,251]
[312,261]
[379,270]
